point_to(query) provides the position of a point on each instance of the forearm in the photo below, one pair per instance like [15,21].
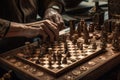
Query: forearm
[16,29]
[11,29]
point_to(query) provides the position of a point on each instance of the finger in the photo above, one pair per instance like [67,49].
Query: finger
[62,24]
[57,19]
[43,34]
[48,17]
[52,23]
[53,29]
[49,32]
[61,20]
[56,25]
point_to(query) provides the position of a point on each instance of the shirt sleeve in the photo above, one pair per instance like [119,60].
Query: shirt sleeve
[4,27]
[57,4]
[43,5]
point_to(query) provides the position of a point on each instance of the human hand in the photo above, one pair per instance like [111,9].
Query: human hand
[47,29]
[54,16]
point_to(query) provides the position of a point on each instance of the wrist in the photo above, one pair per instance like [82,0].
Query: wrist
[16,27]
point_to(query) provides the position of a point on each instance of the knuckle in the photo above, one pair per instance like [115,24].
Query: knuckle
[47,21]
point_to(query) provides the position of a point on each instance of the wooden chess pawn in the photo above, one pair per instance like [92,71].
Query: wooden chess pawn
[42,50]
[37,61]
[68,54]
[94,46]
[85,34]
[72,27]
[54,57]
[28,51]
[39,43]
[64,37]
[116,45]
[66,48]
[80,27]
[68,36]
[81,46]
[74,41]
[74,38]
[103,44]
[110,37]
[49,61]
[60,39]
[59,55]
[50,51]
[64,61]
[91,27]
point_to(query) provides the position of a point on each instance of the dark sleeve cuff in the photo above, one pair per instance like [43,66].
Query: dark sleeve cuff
[4,27]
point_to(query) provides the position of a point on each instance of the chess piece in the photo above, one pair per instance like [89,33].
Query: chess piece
[64,38]
[74,38]
[115,44]
[108,26]
[60,39]
[91,27]
[49,61]
[104,38]
[68,36]
[72,27]
[37,61]
[80,27]
[98,15]
[28,51]
[42,50]
[37,51]
[103,44]
[39,42]
[104,34]
[64,61]
[81,46]
[76,49]
[85,34]
[68,54]
[115,41]
[66,48]
[59,55]
[50,51]
[94,46]
[78,43]
[54,57]
[110,37]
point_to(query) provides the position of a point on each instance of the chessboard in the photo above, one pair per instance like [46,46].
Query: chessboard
[60,56]
[71,49]
[57,60]
[77,52]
